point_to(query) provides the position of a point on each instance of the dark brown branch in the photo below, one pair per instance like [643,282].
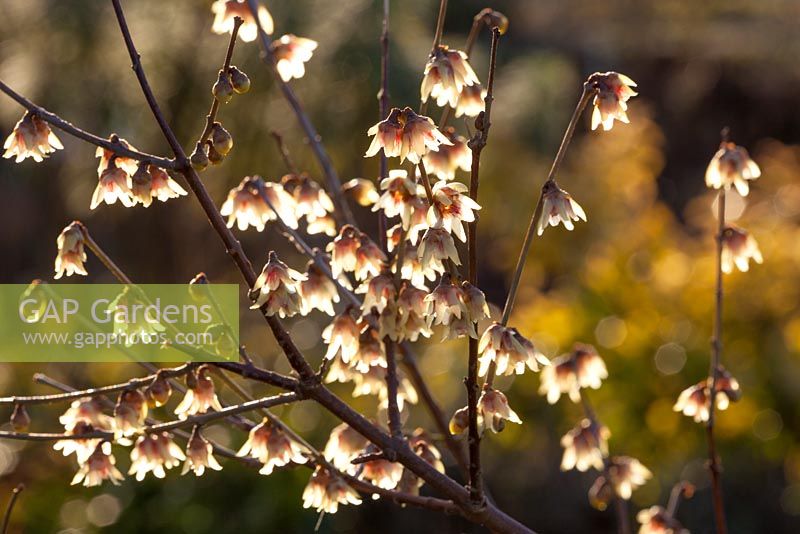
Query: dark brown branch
[71,129]
[10,508]
[284,152]
[332,178]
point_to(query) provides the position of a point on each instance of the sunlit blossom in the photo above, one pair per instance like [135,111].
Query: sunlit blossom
[270,445]
[363,191]
[447,72]
[397,199]
[341,336]
[382,473]
[558,207]
[71,254]
[226,10]
[31,138]
[451,208]
[494,410]
[378,292]
[370,259]
[99,466]
[613,90]
[129,165]
[310,199]
[343,250]
[445,302]
[585,446]
[412,312]
[406,135]
[694,401]
[471,101]
[373,382]
[732,166]
[343,445]
[130,413]
[436,248]
[738,248]
[277,289]
[509,351]
[317,290]
[291,53]
[112,186]
[581,368]
[657,520]
[199,455]
[82,448]
[444,162]
[154,453]
[86,410]
[326,491]
[623,475]
[200,396]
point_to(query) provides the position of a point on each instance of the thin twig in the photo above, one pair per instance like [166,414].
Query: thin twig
[284,152]
[713,373]
[14,496]
[437,39]
[71,129]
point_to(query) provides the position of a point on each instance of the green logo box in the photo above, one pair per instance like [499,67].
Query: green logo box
[44,322]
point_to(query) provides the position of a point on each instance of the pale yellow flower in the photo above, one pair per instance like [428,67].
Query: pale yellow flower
[71,254]
[31,138]
[154,453]
[447,72]
[99,466]
[558,207]
[272,447]
[277,289]
[112,186]
[494,411]
[613,90]
[199,455]
[732,166]
[585,446]
[471,101]
[225,11]
[200,397]
[326,491]
[291,53]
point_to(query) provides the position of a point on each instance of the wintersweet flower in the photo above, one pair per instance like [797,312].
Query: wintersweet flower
[82,448]
[460,421]
[447,72]
[613,90]
[160,186]
[405,134]
[341,336]
[509,350]
[158,392]
[244,206]
[373,382]
[317,291]
[494,410]
[86,410]
[112,186]
[326,491]
[475,302]
[471,101]
[371,350]
[199,455]
[444,162]
[581,368]
[309,198]
[343,250]
[291,53]
[363,191]
[558,207]
[378,292]
[585,446]
[321,225]
[436,248]
[99,466]
[154,453]
[71,254]
[445,303]
[738,248]
[280,204]
[130,413]
[271,446]
[382,473]
[422,444]
[412,311]
[277,289]
[694,400]
[370,259]
[460,327]
[732,166]
[343,445]
[451,208]
[624,474]
[226,10]
[657,520]
[200,396]
[31,138]
[411,268]
[398,197]
[129,165]
[338,371]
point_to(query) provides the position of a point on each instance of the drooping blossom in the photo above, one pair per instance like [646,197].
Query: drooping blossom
[412,313]
[509,350]
[459,422]
[199,455]
[341,336]
[581,368]
[86,410]
[399,194]
[112,186]
[373,382]
[405,134]
[445,302]
[444,162]
[585,446]
[321,225]
[558,207]
[613,90]
[31,138]
[623,475]
[732,166]
[226,10]
[436,248]
[71,254]
[343,445]
[475,302]
[370,259]
[129,165]
[379,291]
[694,401]
[411,268]
[291,53]
[251,203]
[326,491]
[451,208]
[20,420]
[130,413]
[99,466]
[277,289]
[154,453]
[494,410]
[82,448]
[149,182]
[310,199]
[371,349]
[447,72]
[471,101]
[363,191]
[200,396]
[158,392]
[657,520]
[422,444]
[343,250]
[317,291]
[381,472]
[271,446]
[738,248]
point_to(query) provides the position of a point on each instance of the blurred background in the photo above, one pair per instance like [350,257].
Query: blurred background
[636,281]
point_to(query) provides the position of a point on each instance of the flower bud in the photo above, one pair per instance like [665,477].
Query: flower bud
[223,90]
[213,155]
[460,421]
[221,139]
[199,159]
[240,80]
[20,420]
[158,392]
